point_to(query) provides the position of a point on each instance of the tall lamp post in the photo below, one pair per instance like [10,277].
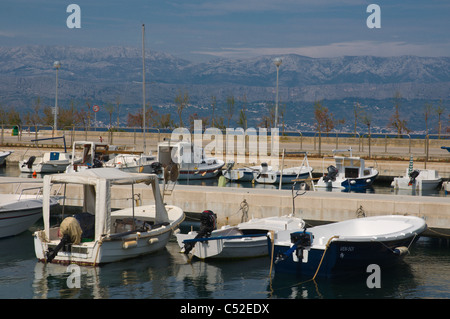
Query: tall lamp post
[56,65]
[277,62]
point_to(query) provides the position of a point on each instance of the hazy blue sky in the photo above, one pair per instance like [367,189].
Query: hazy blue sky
[235,28]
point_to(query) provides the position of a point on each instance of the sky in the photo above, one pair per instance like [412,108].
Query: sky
[205,29]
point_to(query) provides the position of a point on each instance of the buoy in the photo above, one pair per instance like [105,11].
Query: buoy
[129,244]
[400,251]
[34,174]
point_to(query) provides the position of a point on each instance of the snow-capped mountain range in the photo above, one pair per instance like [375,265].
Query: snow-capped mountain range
[102,74]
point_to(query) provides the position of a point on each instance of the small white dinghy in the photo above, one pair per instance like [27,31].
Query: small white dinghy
[246,240]
[346,247]
[100,235]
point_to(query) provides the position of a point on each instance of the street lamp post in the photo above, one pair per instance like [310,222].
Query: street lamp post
[277,62]
[56,65]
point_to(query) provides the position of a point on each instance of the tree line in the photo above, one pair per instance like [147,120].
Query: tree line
[325,121]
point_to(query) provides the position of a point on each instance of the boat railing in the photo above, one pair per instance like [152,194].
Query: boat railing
[39,189]
[38,193]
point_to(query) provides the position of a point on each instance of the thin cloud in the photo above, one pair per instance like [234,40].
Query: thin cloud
[338,49]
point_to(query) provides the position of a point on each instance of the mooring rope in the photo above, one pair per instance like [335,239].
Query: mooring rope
[317,270]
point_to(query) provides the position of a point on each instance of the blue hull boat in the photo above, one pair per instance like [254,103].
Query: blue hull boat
[346,247]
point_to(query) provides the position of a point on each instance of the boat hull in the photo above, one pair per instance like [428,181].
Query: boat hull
[346,247]
[200,172]
[115,247]
[14,223]
[238,175]
[274,177]
[351,183]
[44,168]
[18,213]
[341,258]
[243,247]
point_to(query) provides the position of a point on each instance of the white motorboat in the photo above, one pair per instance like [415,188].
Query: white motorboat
[18,212]
[93,155]
[246,240]
[3,156]
[192,161]
[265,174]
[50,162]
[348,173]
[346,247]
[417,179]
[242,174]
[135,163]
[100,235]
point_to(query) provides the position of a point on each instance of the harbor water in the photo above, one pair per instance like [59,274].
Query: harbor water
[170,275]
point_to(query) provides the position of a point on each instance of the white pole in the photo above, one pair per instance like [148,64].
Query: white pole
[57,65]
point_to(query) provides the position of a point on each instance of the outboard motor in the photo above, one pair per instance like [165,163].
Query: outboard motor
[30,162]
[301,241]
[156,168]
[331,175]
[207,225]
[71,231]
[230,166]
[97,163]
[412,177]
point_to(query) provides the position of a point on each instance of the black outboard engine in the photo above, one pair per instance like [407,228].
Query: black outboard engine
[97,163]
[331,175]
[207,225]
[156,168]
[301,241]
[30,162]
[412,176]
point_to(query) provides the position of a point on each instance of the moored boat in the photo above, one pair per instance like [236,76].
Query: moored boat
[20,211]
[349,172]
[241,174]
[246,240]
[345,247]
[100,235]
[417,179]
[3,156]
[191,160]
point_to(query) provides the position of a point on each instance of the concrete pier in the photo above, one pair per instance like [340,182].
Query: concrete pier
[315,207]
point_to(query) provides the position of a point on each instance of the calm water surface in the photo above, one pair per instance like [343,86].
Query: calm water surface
[425,273]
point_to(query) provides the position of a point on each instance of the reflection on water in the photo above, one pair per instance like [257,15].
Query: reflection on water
[170,275]
[167,274]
